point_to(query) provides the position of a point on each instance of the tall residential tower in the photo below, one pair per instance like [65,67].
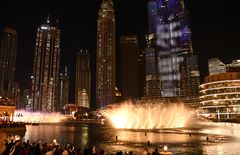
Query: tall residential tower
[46,68]
[8,53]
[105,59]
[83,79]
[130,67]
[63,88]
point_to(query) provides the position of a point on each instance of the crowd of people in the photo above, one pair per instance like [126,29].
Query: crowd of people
[12,125]
[25,148]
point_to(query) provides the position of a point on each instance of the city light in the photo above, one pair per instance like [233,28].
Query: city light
[44,27]
[165,148]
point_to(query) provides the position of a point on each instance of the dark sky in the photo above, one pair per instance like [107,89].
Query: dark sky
[215,29]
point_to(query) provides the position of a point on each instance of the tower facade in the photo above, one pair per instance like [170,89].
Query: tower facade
[8,53]
[130,67]
[46,68]
[63,90]
[171,53]
[105,59]
[83,79]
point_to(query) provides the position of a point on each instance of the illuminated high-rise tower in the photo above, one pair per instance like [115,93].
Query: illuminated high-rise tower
[8,53]
[63,88]
[46,68]
[105,60]
[174,66]
[83,79]
[130,67]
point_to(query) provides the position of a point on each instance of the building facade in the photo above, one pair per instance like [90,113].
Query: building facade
[215,66]
[15,94]
[234,66]
[153,85]
[220,92]
[46,68]
[105,59]
[26,100]
[130,68]
[83,79]
[8,53]
[142,73]
[170,62]
[63,90]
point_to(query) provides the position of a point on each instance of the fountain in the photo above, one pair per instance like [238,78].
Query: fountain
[148,116]
[36,117]
[137,126]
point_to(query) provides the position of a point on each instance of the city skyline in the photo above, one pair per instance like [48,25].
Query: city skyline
[214,30]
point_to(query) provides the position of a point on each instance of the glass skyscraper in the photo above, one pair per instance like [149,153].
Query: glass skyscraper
[105,59]
[8,53]
[130,67]
[63,88]
[83,79]
[170,37]
[46,68]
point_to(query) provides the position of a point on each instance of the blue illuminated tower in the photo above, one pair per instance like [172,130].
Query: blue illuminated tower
[176,66]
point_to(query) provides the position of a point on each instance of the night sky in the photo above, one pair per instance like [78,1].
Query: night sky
[214,24]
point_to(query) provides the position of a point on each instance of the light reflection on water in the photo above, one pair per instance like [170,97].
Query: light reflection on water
[223,138]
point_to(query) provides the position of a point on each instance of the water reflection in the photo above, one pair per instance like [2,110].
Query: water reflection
[157,137]
[223,138]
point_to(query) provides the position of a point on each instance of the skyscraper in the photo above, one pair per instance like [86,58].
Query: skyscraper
[153,83]
[63,90]
[8,53]
[46,68]
[153,90]
[83,79]
[105,59]
[142,73]
[172,54]
[130,67]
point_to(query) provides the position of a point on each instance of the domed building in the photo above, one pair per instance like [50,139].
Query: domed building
[220,92]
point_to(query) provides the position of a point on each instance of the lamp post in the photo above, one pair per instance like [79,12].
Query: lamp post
[218,114]
[166,152]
